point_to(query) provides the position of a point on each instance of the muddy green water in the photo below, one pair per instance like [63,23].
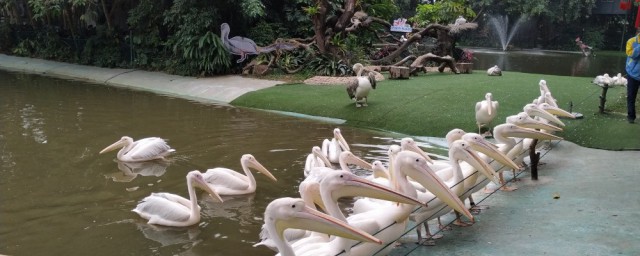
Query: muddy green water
[58,196]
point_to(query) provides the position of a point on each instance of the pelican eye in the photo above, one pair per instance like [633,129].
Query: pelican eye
[341,175]
[293,206]
[417,160]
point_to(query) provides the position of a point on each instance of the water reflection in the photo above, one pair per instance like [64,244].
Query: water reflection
[187,237]
[131,170]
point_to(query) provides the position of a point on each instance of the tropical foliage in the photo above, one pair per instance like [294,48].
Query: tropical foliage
[182,36]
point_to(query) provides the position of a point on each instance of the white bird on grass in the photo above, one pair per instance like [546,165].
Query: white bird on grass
[486,111]
[141,150]
[359,88]
[494,71]
[173,210]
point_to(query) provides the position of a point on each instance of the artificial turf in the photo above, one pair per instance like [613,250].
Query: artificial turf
[432,104]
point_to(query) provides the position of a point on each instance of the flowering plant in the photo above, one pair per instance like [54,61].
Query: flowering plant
[467,56]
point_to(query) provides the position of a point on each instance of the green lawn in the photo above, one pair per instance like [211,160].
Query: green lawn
[432,104]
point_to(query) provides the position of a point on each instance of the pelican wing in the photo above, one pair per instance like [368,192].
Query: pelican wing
[372,80]
[148,148]
[157,207]
[244,44]
[351,88]
[224,179]
[478,106]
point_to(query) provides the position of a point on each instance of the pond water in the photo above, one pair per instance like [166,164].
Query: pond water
[60,197]
[550,62]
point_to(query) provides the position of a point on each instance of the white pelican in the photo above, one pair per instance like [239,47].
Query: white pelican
[486,111]
[332,149]
[460,20]
[141,150]
[309,187]
[173,210]
[545,95]
[391,219]
[359,88]
[494,71]
[229,182]
[505,135]
[339,184]
[535,110]
[315,159]
[460,178]
[285,213]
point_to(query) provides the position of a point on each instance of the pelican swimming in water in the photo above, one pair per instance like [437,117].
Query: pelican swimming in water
[315,159]
[141,150]
[359,88]
[332,148]
[173,210]
[486,111]
[229,182]
[494,71]
[286,213]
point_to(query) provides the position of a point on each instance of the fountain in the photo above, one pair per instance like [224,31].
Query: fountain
[501,25]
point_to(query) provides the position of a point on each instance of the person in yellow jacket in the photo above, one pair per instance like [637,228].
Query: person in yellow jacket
[633,74]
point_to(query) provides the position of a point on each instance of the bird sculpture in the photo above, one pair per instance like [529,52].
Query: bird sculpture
[359,88]
[141,150]
[602,80]
[494,71]
[619,80]
[486,111]
[243,46]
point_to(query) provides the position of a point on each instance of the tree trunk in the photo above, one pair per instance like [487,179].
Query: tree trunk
[106,14]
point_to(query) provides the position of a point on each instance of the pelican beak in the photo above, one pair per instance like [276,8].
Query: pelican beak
[313,220]
[322,157]
[428,179]
[533,110]
[116,145]
[352,159]
[413,147]
[200,182]
[358,186]
[312,196]
[557,111]
[521,132]
[489,150]
[529,122]
[258,167]
[343,143]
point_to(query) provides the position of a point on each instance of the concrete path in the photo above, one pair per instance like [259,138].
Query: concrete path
[222,89]
[585,202]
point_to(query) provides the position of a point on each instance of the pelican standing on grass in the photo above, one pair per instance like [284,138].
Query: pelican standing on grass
[141,150]
[486,111]
[359,88]
[229,182]
[173,210]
